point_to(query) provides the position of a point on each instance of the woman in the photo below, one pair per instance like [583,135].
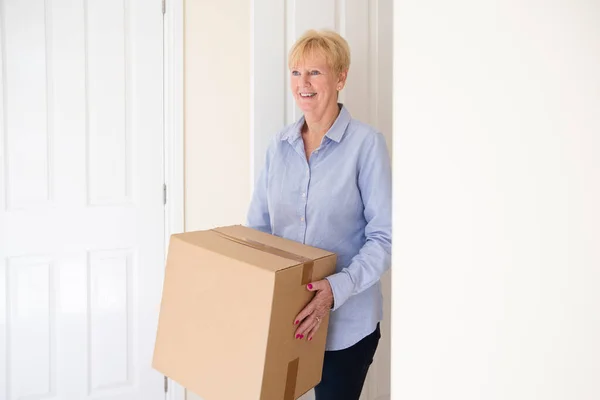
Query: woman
[326,182]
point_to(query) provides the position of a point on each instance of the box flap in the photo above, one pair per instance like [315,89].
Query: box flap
[254,247]
[297,248]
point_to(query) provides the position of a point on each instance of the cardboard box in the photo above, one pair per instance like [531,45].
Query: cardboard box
[226,325]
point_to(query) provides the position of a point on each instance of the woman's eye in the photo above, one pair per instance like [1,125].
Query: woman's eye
[314,72]
[295,73]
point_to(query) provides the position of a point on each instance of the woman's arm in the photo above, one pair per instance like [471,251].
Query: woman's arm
[258,212]
[374,258]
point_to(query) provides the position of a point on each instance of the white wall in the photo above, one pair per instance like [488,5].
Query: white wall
[367,26]
[497,187]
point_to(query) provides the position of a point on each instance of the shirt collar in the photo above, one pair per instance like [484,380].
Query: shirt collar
[335,133]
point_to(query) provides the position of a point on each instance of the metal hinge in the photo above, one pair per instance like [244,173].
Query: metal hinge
[164,193]
[166,384]
[164,6]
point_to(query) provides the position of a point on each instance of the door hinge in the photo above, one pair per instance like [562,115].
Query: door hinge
[164,193]
[166,384]
[164,6]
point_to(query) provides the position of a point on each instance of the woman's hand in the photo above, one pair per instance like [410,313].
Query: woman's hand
[310,318]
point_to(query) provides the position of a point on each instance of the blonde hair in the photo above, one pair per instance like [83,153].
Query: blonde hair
[328,43]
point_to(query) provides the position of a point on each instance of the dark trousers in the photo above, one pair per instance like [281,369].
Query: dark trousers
[344,371]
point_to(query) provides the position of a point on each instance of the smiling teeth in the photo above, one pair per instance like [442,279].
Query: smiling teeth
[307,94]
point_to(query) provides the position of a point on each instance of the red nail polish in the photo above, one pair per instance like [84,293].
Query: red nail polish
[297,336]
[296,323]
[301,336]
[310,285]
[310,338]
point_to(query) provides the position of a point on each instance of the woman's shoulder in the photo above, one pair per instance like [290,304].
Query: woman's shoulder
[363,132]
[369,141]
[277,141]
[287,131]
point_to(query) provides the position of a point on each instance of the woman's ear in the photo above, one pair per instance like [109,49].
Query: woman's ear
[342,80]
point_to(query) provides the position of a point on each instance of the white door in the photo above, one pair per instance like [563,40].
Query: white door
[367,26]
[81,207]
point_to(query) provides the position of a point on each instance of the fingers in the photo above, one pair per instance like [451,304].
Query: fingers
[324,292]
[306,311]
[324,296]
[306,327]
[318,285]
[311,324]
[309,319]
[314,330]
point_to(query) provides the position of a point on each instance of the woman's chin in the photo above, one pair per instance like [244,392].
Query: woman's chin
[306,106]
[306,109]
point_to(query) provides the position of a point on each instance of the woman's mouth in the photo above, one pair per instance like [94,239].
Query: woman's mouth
[307,95]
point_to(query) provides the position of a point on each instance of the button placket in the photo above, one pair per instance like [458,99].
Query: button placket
[304,198]
[304,201]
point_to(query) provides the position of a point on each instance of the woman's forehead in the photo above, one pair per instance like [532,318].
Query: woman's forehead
[311,58]
[311,61]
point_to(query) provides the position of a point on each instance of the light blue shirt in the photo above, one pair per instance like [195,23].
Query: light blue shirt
[339,201]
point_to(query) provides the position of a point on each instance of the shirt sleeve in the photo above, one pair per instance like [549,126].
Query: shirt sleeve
[258,213]
[374,258]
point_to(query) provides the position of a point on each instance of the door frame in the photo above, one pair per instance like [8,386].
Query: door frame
[174,137]
[173,105]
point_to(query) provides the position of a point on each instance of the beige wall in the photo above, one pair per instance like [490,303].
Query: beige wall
[217,112]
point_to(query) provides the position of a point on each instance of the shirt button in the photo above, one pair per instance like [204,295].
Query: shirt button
[303,194]
[302,219]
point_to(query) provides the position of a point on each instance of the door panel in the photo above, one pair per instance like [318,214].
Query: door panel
[81,211]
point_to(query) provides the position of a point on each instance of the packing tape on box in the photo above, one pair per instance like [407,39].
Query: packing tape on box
[308,264]
[290,382]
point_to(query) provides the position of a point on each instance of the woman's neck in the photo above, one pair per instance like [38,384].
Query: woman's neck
[317,126]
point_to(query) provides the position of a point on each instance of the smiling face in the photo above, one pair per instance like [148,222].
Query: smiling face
[315,84]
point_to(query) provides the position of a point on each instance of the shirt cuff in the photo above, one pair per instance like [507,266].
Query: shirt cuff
[342,287]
